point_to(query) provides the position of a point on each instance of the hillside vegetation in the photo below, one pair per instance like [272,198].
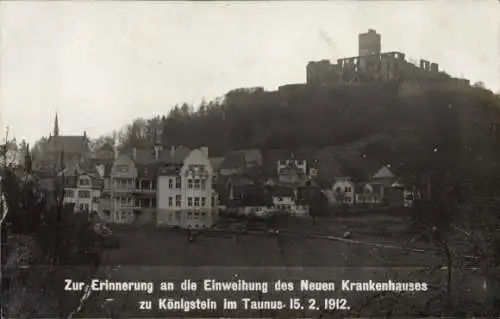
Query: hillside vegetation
[458,127]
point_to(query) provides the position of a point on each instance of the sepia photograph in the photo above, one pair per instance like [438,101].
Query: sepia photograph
[249,159]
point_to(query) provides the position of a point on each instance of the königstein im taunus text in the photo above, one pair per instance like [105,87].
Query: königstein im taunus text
[287,288]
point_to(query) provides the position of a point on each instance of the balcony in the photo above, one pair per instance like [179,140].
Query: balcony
[123,189]
[144,190]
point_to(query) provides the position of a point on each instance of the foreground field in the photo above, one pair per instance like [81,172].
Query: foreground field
[168,256]
[301,250]
[164,247]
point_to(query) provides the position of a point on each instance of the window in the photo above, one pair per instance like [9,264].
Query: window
[170,183]
[95,200]
[204,184]
[196,215]
[190,183]
[190,201]
[197,184]
[170,217]
[203,201]
[84,194]
[69,193]
[170,201]
[203,214]
[84,181]
[178,200]
[189,215]
[81,207]
[178,182]
[196,201]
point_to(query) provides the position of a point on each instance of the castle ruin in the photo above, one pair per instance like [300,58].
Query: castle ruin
[373,66]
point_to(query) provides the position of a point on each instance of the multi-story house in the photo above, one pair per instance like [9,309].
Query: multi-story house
[145,190]
[122,179]
[185,192]
[288,200]
[83,190]
[292,171]
[342,191]
[368,193]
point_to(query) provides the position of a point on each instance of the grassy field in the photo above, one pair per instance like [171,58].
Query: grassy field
[166,255]
[171,247]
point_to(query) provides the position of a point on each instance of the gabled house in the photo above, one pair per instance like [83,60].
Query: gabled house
[368,193]
[82,186]
[384,176]
[393,191]
[185,193]
[342,191]
[290,200]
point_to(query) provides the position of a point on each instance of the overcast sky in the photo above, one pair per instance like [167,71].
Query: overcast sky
[101,64]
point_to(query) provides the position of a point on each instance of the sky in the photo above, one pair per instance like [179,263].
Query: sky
[100,64]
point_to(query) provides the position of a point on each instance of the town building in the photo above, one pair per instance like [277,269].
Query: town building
[342,191]
[368,193]
[122,186]
[82,187]
[66,148]
[185,193]
[286,199]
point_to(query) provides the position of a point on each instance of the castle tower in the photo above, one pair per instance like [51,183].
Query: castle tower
[56,126]
[369,43]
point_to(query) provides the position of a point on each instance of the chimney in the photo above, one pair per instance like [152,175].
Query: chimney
[172,151]
[204,150]
[134,153]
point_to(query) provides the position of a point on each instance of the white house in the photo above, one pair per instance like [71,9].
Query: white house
[286,199]
[368,193]
[343,191]
[185,193]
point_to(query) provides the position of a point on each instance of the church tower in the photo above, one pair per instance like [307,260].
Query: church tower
[56,126]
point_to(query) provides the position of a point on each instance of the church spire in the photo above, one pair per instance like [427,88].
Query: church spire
[56,126]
